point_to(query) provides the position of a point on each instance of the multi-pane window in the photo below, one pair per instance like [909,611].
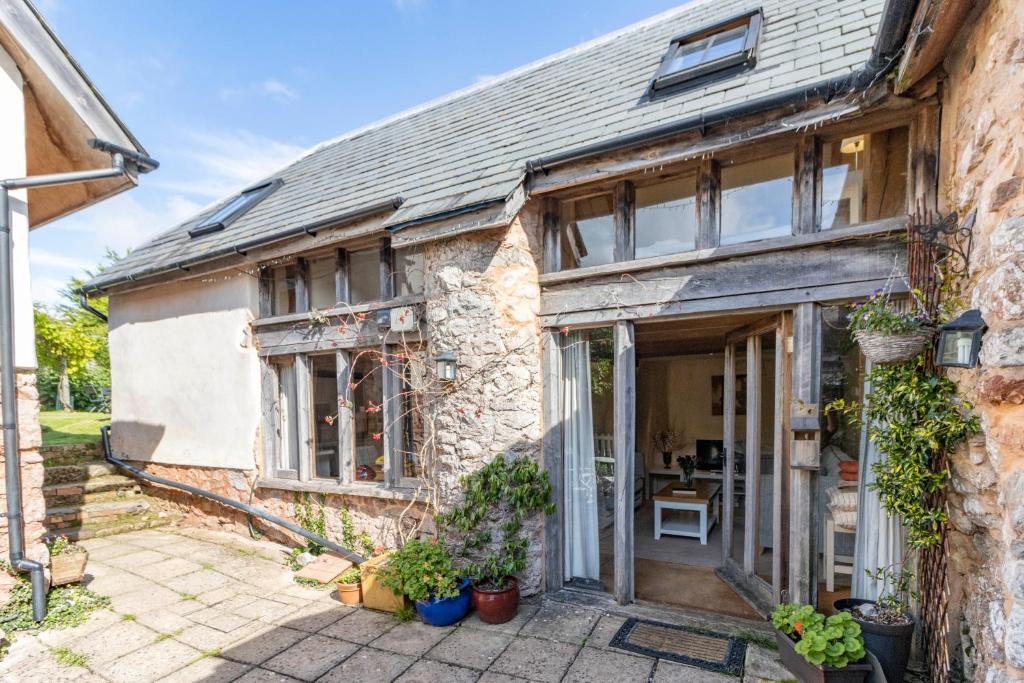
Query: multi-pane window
[411,412]
[722,48]
[409,272]
[666,217]
[323,370]
[284,281]
[757,200]
[286,432]
[864,177]
[588,237]
[322,288]
[363,276]
[367,416]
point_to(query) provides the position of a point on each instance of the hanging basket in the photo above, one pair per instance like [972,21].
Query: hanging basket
[883,348]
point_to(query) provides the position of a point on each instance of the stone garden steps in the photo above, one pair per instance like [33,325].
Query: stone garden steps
[88,498]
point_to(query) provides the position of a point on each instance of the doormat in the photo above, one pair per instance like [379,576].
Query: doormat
[696,647]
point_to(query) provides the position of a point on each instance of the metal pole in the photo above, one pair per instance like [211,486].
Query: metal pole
[9,400]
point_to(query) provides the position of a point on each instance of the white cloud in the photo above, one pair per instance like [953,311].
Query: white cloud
[44,258]
[277,90]
[123,222]
[224,162]
[271,88]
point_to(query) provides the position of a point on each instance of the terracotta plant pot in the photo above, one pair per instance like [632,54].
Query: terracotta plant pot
[497,606]
[350,593]
[68,567]
[810,673]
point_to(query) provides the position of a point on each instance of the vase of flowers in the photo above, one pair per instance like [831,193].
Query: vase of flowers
[688,464]
[887,335]
[665,441]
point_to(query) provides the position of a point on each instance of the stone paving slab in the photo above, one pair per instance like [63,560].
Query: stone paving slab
[191,605]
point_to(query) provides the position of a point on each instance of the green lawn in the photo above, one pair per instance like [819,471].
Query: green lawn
[63,428]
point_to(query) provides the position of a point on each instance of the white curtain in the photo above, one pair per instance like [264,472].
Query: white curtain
[879,536]
[582,556]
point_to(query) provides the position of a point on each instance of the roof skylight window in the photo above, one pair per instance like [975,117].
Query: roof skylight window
[721,49]
[235,208]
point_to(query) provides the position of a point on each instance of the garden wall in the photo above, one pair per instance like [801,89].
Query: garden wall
[982,169]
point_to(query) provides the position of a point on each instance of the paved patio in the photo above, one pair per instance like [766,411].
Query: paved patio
[193,605]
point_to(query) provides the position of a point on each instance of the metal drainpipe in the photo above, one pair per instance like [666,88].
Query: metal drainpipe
[123,161]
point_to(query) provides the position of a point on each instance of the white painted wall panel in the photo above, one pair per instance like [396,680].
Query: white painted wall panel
[186,377]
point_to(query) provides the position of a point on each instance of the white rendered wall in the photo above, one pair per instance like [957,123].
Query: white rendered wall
[185,375]
[12,165]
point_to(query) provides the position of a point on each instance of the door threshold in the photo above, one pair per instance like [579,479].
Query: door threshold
[654,611]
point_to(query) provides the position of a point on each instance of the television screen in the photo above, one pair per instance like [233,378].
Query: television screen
[709,454]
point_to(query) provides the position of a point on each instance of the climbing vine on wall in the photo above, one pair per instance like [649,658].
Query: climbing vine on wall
[913,414]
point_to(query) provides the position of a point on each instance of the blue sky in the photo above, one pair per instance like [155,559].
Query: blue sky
[222,93]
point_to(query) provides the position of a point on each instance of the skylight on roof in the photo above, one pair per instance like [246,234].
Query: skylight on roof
[235,208]
[721,49]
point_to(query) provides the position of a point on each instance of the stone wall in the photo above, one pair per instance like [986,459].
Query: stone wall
[30,440]
[483,302]
[982,168]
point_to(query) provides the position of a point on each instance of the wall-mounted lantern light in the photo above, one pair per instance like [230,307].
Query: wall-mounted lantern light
[445,365]
[960,340]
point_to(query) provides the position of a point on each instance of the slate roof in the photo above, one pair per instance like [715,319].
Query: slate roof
[472,146]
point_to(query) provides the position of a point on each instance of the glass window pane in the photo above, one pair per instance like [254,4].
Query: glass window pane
[364,276]
[321,283]
[367,416]
[726,43]
[688,55]
[287,427]
[414,380]
[864,178]
[326,454]
[408,271]
[757,200]
[588,237]
[283,299]
[666,217]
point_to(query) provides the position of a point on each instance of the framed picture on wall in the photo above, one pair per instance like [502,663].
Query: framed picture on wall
[718,394]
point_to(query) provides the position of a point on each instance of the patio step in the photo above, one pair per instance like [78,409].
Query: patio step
[149,520]
[77,472]
[110,487]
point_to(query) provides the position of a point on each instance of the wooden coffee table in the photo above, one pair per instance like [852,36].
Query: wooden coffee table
[703,502]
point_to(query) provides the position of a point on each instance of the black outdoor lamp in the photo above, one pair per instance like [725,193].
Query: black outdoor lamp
[445,364]
[960,340]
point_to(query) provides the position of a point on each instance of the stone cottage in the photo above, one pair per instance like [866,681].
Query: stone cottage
[624,256]
[51,111]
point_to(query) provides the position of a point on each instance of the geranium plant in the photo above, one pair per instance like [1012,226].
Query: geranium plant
[879,314]
[833,641]
[421,570]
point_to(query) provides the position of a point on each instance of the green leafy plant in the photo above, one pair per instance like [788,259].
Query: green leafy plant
[66,657]
[499,495]
[913,414]
[405,613]
[352,575]
[358,542]
[833,641]
[897,593]
[62,546]
[66,606]
[420,570]
[878,314]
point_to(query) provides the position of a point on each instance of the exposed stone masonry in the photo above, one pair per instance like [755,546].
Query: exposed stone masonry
[983,168]
[30,440]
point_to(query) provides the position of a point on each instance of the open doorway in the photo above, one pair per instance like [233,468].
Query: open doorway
[698,381]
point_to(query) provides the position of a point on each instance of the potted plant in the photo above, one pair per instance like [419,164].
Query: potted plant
[665,441]
[819,648]
[688,464]
[886,624]
[886,335]
[67,561]
[498,496]
[350,586]
[424,572]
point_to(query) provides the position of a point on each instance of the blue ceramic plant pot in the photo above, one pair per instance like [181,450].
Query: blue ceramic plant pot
[446,611]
